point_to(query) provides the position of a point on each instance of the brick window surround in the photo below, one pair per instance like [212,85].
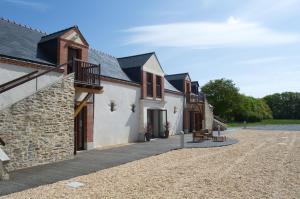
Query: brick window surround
[158,87]
[149,81]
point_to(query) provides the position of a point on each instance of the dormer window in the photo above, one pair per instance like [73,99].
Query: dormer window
[158,87]
[149,85]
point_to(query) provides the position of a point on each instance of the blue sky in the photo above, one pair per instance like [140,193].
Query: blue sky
[254,43]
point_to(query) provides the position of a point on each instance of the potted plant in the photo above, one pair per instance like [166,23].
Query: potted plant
[167,129]
[148,132]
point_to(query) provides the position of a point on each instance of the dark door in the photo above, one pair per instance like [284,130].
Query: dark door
[150,120]
[198,121]
[80,129]
[162,122]
[72,53]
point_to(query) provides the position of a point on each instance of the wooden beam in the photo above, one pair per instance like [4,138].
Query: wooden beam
[82,103]
[89,90]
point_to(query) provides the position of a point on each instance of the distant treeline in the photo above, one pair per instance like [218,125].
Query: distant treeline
[284,105]
[230,105]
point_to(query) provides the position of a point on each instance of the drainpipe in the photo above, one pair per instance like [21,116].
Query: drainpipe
[185,128]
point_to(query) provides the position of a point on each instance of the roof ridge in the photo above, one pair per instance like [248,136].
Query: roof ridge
[136,55]
[60,31]
[101,52]
[22,25]
[177,74]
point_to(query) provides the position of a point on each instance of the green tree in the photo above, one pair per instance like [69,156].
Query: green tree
[231,105]
[284,105]
[224,96]
[252,110]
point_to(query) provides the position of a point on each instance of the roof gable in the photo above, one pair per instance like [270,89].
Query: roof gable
[179,76]
[71,33]
[195,83]
[134,61]
[147,62]
[153,66]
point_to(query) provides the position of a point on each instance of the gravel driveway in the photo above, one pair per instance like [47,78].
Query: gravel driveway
[264,164]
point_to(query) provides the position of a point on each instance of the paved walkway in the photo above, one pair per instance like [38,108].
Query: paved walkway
[88,162]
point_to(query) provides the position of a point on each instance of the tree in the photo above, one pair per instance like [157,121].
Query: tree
[284,105]
[231,105]
[224,96]
[252,110]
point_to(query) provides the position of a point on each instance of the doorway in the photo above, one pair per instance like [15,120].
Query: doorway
[157,119]
[72,53]
[81,130]
[198,121]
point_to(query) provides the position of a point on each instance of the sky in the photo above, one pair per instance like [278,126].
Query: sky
[255,43]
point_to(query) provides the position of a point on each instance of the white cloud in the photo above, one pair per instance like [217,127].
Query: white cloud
[233,32]
[265,60]
[35,5]
[269,9]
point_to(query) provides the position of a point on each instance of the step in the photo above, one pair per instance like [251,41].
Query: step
[4,159]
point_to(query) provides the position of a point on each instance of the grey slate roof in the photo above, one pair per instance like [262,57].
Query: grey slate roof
[169,86]
[195,83]
[55,34]
[176,76]
[135,60]
[202,96]
[20,42]
[109,65]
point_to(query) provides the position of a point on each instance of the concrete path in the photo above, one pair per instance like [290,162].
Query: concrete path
[85,163]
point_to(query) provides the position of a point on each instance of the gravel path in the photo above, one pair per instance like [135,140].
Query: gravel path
[264,164]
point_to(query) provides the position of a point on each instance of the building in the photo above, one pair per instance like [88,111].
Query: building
[58,96]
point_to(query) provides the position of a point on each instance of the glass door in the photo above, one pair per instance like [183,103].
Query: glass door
[162,122]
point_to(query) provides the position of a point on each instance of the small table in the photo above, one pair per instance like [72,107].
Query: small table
[219,138]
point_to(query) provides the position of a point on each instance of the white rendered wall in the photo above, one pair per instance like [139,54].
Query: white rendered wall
[153,66]
[146,104]
[175,119]
[209,116]
[171,101]
[121,125]
[9,72]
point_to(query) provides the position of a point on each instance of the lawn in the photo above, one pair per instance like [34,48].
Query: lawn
[266,122]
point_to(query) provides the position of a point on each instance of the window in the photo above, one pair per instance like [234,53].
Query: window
[158,86]
[149,85]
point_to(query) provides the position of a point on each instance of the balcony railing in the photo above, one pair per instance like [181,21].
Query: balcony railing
[194,98]
[86,74]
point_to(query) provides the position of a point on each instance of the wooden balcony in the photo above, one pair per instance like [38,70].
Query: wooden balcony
[87,76]
[194,98]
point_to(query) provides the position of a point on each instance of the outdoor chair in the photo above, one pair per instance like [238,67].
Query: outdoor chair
[202,135]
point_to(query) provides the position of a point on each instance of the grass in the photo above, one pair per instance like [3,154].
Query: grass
[265,122]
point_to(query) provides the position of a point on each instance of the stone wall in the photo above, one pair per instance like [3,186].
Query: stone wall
[209,116]
[39,129]
[223,126]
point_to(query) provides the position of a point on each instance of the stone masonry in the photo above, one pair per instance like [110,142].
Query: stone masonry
[39,129]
